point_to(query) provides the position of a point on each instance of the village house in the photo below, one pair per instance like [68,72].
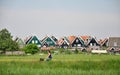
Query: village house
[104,42]
[114,42]
[48,41]
[91,42]
[75,42]
[33,40]
[63,43]
[114,45]
[20,42]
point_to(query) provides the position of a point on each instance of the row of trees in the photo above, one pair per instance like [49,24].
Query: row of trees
[8,44]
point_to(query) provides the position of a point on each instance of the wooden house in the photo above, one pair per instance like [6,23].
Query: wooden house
[33,40]
[63,43]
[85,39]
[20,42]
[104,42]
[114,42]
[48,41]
[90,42]
[75,41]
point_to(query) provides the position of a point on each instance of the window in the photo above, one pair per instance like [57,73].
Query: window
[36,41]
[65,47]
[74,45]
[39,45]
[91,44]
[79,45]
[33,41]
[77,41]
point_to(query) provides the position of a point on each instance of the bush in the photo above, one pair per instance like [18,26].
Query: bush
[31,48]
[61,50]
[67,51]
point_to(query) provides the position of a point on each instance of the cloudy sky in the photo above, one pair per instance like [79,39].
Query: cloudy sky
[100,18]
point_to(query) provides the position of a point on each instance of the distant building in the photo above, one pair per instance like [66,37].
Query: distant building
[103,42]
[63,43]
[114,42]
[20,42]
[91,42]
[48,41]
[75,41]
[33,40]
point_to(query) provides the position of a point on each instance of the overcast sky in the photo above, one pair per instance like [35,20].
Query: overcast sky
[100,18]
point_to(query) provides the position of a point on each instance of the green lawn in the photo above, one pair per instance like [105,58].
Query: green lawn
[61,64]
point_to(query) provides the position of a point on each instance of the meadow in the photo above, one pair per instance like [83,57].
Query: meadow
[61,64]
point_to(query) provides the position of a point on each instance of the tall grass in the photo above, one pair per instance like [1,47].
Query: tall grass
[61,65]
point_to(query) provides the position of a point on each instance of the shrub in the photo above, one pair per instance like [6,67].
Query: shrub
[31,48]
[61,50]
[67,51]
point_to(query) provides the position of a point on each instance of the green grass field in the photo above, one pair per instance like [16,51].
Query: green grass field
[61,64]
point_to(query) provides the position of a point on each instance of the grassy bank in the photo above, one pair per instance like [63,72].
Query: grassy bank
[74,64]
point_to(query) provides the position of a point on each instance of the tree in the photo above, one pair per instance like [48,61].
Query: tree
[31,48]
[6,42]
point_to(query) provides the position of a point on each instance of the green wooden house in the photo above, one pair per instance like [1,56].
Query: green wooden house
[48,41]
[33,40]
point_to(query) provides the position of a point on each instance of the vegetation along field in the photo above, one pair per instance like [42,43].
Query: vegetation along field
[61,64]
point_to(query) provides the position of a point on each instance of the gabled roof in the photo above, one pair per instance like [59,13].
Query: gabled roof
[19,40]
[44,39]
[81,41]
[16,39]
[66,39]
[102,42]
[28,40]
[88,39]
[92,39]
[62,40]
[71,39]
[54,38]
[85,38]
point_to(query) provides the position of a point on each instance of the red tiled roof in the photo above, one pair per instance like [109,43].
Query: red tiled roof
[71,39]
[85,37]
[60,41]
[102,41]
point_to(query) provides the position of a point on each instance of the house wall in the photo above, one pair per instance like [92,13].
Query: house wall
[114,42]
[34,40]
[93,43]
[49,42]
[64,45]
[77,43]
